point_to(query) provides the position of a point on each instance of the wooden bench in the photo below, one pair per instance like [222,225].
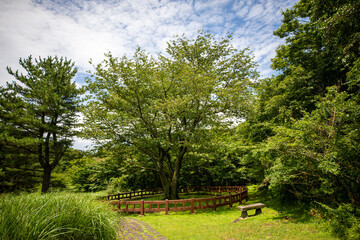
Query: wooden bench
[245,208]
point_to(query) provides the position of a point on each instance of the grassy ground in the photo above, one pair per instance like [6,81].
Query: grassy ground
[77,216]
[225,224]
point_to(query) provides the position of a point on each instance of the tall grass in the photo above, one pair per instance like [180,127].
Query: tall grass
[55,216]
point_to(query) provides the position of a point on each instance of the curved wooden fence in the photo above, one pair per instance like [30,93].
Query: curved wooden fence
[236,194]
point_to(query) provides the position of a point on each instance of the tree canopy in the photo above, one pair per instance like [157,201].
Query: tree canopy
[164,106]
[321,47]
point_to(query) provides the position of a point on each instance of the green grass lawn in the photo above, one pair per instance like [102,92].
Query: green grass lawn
[206,224]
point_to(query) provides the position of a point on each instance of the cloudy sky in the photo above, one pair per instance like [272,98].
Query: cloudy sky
[84,29]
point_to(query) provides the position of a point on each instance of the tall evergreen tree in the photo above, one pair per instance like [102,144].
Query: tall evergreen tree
[38,112]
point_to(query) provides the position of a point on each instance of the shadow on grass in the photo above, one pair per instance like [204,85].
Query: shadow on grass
[286,210]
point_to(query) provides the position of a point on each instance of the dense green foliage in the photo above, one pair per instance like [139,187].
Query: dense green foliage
[114,173]
[312,111]
[316,158]
[313,106]
[55,216]
[163,107]
[322,47]
[37,116]
[345,221]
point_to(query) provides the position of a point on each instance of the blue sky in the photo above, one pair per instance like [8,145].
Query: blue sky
[84,29]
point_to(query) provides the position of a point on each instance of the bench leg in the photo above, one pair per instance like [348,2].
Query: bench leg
[258,211]
[244,214]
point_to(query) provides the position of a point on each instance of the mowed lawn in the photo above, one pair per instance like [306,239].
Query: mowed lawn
[225,224]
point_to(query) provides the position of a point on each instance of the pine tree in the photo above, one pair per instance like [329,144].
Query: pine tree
[38,111]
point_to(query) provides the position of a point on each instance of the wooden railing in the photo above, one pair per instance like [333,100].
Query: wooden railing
[152,192]
[235,195]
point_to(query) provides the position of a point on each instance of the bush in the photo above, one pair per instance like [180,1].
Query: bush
[55,216]
[118,185]
[88,174]
[345,222]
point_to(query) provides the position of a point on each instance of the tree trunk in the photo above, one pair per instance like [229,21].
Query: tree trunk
[174,187]
[170,183]
[169,187]
[169,173]
[166,188]
[171,191]
[176,172]
[174,190]
[46,180]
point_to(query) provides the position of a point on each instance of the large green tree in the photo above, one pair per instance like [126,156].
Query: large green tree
[38,113]
[322,40]
[163,106]
[313,104]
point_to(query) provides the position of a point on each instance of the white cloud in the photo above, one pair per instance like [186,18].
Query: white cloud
[255,11]
[84,29]
[242,11]
[201,5]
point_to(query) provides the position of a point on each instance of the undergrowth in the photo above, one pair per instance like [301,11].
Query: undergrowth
[55,216]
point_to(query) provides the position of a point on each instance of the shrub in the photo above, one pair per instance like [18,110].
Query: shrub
[87,174]
[55,216]
[345,222]
[118,185]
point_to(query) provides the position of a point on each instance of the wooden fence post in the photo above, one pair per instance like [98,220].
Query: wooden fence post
[142,208]
[230,200]
[166,207]
[214,203]
[192,206]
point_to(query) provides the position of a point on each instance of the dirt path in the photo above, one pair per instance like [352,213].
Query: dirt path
[133,229]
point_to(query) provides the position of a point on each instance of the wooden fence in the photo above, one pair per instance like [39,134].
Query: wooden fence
[235,195]
[151,192]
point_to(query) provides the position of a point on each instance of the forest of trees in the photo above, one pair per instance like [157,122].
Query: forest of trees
[198,115]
